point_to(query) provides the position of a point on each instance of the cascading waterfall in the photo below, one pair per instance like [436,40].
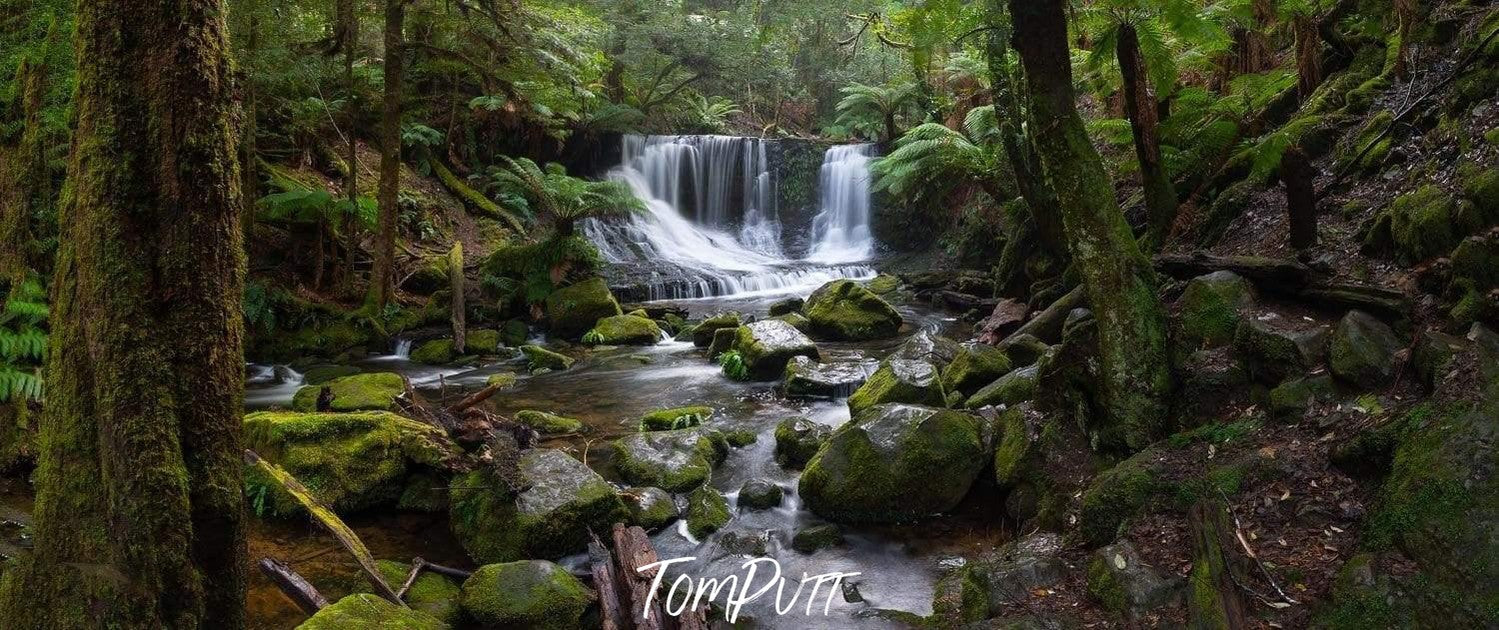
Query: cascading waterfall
[713,226]
[841,229]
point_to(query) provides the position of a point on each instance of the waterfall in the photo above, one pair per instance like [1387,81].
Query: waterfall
[712,227]
[841,230]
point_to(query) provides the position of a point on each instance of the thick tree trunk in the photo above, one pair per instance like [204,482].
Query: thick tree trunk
[1140,109]
[1299,177]
[455,282]
[140,519]
[390,155]
[1118,279]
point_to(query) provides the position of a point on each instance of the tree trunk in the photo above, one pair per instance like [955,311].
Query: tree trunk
[23,175]
[1299,177]
[348,18]
[1405,14]
[1308,55]
[455,282]
[1119,282]
[1140,109]
[390,156]
[140,518]
[248,162]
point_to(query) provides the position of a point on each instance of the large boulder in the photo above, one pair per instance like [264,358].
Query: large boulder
[702,334]
[350,461]
[788,305]
[1272,348]
[844,311]
[1126,586]
[975,366]
[358,392]
[925,346]
[363,610]
[548,423]
[561,501]
[1363,350]
[1211,308]
[895,463]
[624,330]
[675,461]
[1011,389]
[573,310]
[899,381]
[760,494]
[707,511]
[434,352]
[1416,226]
[525,595]
[766,346]
[806,378]
[541,358]
[797,440]
[1023,565]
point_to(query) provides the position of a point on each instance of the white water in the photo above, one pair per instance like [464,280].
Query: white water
[841,229]
[713,227]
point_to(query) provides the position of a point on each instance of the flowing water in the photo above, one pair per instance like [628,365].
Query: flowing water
[841,230]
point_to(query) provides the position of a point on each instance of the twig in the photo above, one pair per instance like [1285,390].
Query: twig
[416,569]
[1239,533]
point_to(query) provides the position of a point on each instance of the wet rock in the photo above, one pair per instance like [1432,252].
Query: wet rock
[1023,349]
[702,334]
[482,341]
[1125,585]
[542,359]
[813,538]
[925,346]
[707,511]
[525,595]
[675,418]
[723,340]
[573,310]
[514,332]
[363,610]
[434,352]
[1007,316]
[1292,398]
[431,593]
[350,461]
[1416,226]
[1272,350]
[899,381]
[788,305]
[797,440]
[1363,350]
[1034,561]
[797,321]
[844,311]
[806,378]
[883,283]
[625,330]
[360,392]
[1211,308]
[754,544]
[562,499]
[760,494]
[548,423]
[975,366]
[650,508]
[766,346]
[960,597]
[324,373]
[1016,387]
[895,463]
[1211,378]
[675,461]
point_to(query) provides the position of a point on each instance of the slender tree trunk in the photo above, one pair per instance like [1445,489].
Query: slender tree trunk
[1308,55]
[455,284]
[348,18]
[140,519]
[1117,278]
[1405,14]
[249,161]
[1299,177]
[23,174]
[1140,107]
[390,155]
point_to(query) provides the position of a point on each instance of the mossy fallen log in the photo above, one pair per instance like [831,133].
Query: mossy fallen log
[473,198]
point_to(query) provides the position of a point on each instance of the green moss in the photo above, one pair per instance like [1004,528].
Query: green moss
[325,373]
[431,593]
[707,511]
[434,352]
[1293,397]
[677,418]
[575,309]
[883,283]
[551,518]
[961,597]
[548,423]
[1106,588]
[525,595]
[766,346]
[542,359]
[621,330]
[975,366]
[360,392]
[370,611]
[915,384]
[1361,142]
[843,310]
[1116,496]
[675,461]
[1211,308]
[1417,226]
[18,433]
[482,341]
[702,333]
[1014,388]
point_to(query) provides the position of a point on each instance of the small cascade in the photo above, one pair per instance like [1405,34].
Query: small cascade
[403,349]
[841,229]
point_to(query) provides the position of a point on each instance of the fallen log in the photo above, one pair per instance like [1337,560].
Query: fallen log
[1256,268]
[601,567]
[416,570]
[633,550]
[293,585]
[1047,325]
[474,399]
[1292,279]
[1214,600]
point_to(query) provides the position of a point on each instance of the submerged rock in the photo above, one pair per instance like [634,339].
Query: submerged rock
[650,508]
[797,440]
[675,461]
[358,392]
[363,610]
[1125,585]
[723,340]
[625,330]
[548,423]
[975,366]
[702,334]
[1363,350]
[525,595]
[806,378]
[561,500]
[814,538]
[842,310]
[542,359]
[766,346]
[899,381]
[676,418]
[573,310]
[760,494]
[707,511]
[895,463]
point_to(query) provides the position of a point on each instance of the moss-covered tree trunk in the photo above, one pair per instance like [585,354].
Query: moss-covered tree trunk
[249,158]
[1140,109]
[455,284]
[140,518]
[381,280]
[23,173]
[1117,278]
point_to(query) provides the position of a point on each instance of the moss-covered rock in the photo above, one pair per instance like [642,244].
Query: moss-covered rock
[1211,308]
[702,333]
[975,366]
[1023,349]
[797,321]
[482,341]
[960,597]
[707,511]
[723,341]
[514,332]
[1016,387]
[895,463]
[1023,565]
[1115,496]
[551,518]
[1290,399]
[1363,350]
[883,283]
[650,508]
[675,418]
[350,461]
[813,538]
[1475,262]
[899,381]
[362,610]
[1433,355]
[842,310]
[320,374]
[548,423]
[625,330]
[767,345]
[359,392]
[540,358]
[806,378]
[787,305]
[431,275]
[431,593]
[675,461]
[760,494]
[525,595]
[1417,226]
[573,310]
[797,440]
[326,338]
[1272,350]
[1372,156]
[1127,587]
[434,352]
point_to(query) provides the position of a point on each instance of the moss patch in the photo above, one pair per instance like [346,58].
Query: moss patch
[526,595]
[360,392]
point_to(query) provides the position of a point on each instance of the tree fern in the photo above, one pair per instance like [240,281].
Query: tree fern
[874,110]
[23,341]
[561,198]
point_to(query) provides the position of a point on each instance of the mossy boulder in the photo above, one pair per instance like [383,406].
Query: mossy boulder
[899,381]
[514,332]
[563,499]
[707,511]
[1433,355]
[1272,349]
[788,305]
[1127,587]
[925,346]
[883,283]
[431,593]
[573,310]
[806,378]
[1364,350]
[350,461]
[895,463]
[1016,387]
[760,494]
[797,321]
[525,595]
[723,341]
[1416,227]
[625,330]
[434,352]
[363,610]
[1480,185]
[1211,308]
[675,461]
[320,374]
[702,333]
[1292,398]
[548,423]
[1117,495]
[1475,263]
[975,366]
[813,538]
[844,311]
[431,276]
[797,440]
[541,358]
[767,345]
[650,508]
[1023,349]
[960,597]
[675,418]
[482,341]
[359,392]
